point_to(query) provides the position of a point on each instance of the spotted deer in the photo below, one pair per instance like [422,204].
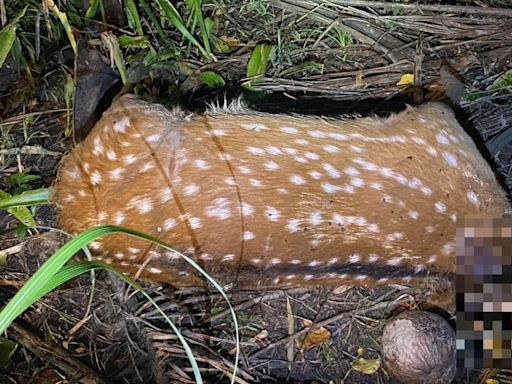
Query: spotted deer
[269,200]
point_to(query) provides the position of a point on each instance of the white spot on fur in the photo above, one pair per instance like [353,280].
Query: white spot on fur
[129,159]
[429,229]
[247,209]
[255,183]
[329,148]
[169,223]
[316,134]
[190,190]
[338,136]
[418,140]
[450,159]
[119,217]
[165,195]
[244,170]
[315,175]
[376,185]
[356,149]
[473,197]
[290,151]
[153,138]
[394,261]
[395,236]
[201,164]
[432,151]
[271,165]
[95,178]
[273,150]
[354,258]
[311,155]
[442,139]
[315,218]
[297,180]
[219,209]
[116,173]
[413,214]
[289,130]
[255,151]
[272,213]
[255,127]
[195,222]
[275,261]
[141,204]
[248,235]
[373,257]
[301,142]
[440,207]
[228,257]
[357,182]
[333,172]
[351,171]
[293,225]
[120,126]
[330,188]
[218,132]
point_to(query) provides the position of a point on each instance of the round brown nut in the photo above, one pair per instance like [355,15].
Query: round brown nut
[419,347]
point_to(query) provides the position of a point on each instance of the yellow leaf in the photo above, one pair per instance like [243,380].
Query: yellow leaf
[492,381]
[366,366]
[312,338]
[406,79]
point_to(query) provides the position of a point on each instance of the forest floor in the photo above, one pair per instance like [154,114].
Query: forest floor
[317,57]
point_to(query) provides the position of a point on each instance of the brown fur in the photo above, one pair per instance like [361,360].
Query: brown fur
[362,201]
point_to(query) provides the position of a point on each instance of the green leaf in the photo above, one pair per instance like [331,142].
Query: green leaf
[23,214]
[503,81]
[35,197]
[258,63]
[110,40]
[63,18]
[133,16]
[8,35]
[20,178]
[7,350]
[212,80]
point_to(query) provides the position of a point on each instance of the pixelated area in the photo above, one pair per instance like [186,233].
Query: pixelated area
[484,292]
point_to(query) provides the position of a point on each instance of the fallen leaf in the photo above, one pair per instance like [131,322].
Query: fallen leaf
[366,366]
[406,79]
[313,338]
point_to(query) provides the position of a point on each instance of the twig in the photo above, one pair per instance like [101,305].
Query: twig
[325,322]
[29,150]
[502,12]
[54,354]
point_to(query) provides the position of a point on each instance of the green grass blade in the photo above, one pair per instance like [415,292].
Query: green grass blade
[196,15]
[133,16]
[153,19]
[8,35]
[54,267]
[174,17]
[93,8]
[110,40]
[63,18]
[258,61]
[34,197]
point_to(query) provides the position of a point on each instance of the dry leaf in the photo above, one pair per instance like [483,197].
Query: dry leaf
[367,366]
[406,79]
[312,338]
[359,77]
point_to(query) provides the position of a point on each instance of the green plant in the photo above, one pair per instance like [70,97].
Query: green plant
[54,273]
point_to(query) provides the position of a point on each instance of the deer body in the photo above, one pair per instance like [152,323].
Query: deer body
[277,200]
